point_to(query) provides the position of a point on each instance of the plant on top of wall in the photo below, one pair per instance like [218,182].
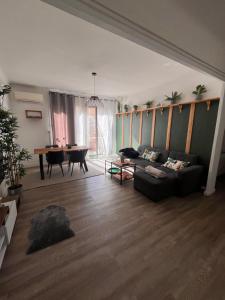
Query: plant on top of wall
[135,107]
[118,107]
[174,97]
[126,108]
[4,90]
[12,154]
[149,104]
[199,91]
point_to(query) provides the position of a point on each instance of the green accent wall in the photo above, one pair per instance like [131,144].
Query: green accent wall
[203,130]
[178,134]
[126,130]
[118,133]
[202,134]
[146,128]
[135,130]
[161,128]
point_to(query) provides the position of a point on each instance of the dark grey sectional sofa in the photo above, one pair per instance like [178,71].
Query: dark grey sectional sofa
[179,183]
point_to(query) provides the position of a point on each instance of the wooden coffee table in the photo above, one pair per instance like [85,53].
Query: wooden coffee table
[120,171]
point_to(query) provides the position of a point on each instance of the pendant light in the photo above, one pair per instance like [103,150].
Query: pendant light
[94,100]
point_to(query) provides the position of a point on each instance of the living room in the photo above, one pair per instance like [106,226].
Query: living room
[82,87]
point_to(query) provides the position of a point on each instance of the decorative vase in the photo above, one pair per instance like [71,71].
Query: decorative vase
[4,187]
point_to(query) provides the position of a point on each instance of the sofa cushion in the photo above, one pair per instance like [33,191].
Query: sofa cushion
[155,172]
[176,165]
[154,188]
[191,158]
[170,163]
[150,155]
[142,148]
[162,156]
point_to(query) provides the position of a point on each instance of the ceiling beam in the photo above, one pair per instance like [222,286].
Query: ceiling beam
[100,15]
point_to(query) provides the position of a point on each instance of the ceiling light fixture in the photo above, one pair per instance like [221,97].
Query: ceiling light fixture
[94,100]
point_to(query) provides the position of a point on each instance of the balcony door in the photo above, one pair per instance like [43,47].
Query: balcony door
[92,131]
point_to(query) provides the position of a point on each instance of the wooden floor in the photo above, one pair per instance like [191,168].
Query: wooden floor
[126,247]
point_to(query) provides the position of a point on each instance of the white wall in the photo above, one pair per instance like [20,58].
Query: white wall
[32,133]
[185,84]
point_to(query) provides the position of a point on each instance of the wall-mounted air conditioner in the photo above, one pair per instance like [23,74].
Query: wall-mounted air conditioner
[29,97]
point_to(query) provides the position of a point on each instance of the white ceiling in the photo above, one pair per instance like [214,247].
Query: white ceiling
[44,46]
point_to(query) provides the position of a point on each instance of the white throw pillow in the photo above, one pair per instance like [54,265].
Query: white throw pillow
[150,155]
[175,165]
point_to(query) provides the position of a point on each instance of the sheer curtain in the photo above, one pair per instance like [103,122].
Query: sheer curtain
[81,121]
[106,127]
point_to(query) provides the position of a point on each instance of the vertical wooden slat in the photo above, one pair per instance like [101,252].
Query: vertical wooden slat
[153,127]
[131,124]
[190,128]
[170,116]
[140,128]
[122,131]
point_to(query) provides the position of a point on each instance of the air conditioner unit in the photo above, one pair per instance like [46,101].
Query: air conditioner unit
[29,97]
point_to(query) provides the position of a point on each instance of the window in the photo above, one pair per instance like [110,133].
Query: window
[92,130]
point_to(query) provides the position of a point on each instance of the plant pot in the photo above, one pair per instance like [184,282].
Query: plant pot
[15,190]
[198,97]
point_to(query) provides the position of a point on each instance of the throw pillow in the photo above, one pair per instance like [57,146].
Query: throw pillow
[182,164]
[175,165]
[170,163]
[155,172]
[129,152]
[150,155]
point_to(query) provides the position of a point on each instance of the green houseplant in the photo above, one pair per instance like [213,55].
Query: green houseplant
[126,107]
[148,104]
[135,107]
[12,154]
[118,107]
[199,91]
[175,96]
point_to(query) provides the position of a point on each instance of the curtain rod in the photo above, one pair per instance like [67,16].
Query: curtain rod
[84,97]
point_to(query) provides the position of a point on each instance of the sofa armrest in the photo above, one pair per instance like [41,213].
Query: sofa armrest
[190,179]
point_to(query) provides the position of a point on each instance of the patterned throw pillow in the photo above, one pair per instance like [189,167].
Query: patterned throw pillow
[170,163]
[182,164]
[150,155]
[176,165]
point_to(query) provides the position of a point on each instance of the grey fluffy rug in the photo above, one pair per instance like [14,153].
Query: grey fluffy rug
[49,226]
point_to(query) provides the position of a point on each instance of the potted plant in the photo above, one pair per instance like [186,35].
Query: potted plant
[12,154]
[126,107]
[148,104]
[174,97]
[118,107]
[199,91]
[135,107]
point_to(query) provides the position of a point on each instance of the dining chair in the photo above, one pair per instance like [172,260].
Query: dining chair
[67,154]
[46,155]
[71,145]
[55,158]
[77,157]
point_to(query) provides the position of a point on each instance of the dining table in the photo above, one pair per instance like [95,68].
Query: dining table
[42,151]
